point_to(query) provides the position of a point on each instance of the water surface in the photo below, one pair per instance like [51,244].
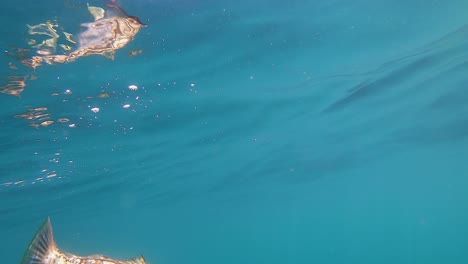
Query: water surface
[265,131]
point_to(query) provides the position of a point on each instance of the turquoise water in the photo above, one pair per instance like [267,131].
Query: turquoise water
[261,132]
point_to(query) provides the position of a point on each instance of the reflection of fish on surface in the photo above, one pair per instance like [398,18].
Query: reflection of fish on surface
[44,250]
[135,52]
[15,85]
[108,33]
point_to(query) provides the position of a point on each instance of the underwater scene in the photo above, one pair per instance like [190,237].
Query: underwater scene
[228,132]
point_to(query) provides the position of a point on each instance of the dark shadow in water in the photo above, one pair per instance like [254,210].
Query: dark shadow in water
[401,73]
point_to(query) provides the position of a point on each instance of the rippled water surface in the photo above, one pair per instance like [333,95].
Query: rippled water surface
[258,132]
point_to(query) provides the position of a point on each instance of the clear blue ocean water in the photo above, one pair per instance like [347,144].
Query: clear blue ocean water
[261,132]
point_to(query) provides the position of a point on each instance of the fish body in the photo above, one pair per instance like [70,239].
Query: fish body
[43,250]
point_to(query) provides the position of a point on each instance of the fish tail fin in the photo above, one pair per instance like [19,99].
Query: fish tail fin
[41,246]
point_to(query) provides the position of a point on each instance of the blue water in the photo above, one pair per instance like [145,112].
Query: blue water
[261,132]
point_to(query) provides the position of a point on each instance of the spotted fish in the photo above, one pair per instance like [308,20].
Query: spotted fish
[44,250]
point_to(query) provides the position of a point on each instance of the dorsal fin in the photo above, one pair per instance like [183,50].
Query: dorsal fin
[140,260]
[41,246]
